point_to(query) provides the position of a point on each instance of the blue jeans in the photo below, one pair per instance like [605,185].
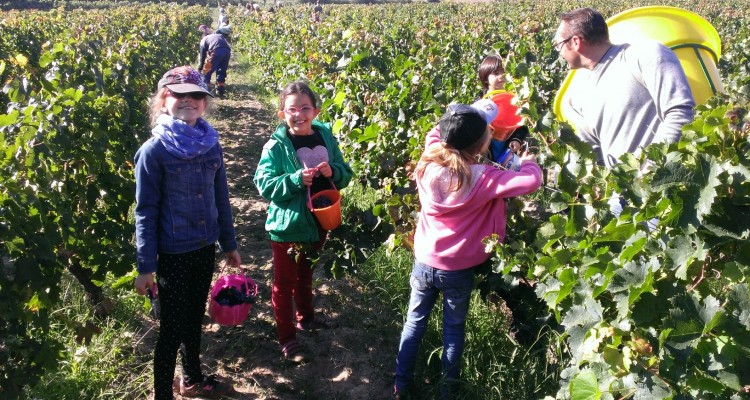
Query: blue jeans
[426,284]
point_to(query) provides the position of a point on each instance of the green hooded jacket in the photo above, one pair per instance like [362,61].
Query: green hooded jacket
[279,180]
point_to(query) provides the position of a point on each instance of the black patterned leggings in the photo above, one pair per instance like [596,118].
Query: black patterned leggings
[184,281]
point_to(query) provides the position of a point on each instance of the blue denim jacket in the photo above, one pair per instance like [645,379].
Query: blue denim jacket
[181,205]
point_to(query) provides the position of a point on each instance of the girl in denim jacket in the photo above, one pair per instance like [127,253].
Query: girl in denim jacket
[182,211]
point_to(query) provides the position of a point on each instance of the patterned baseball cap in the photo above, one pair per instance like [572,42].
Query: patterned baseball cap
[184,79]
[487,108]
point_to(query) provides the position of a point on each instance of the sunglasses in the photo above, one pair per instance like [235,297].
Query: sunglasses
[193,95]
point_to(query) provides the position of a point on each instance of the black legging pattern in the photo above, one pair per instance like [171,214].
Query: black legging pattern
[184,280]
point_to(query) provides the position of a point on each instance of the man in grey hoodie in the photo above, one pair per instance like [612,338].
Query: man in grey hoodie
[625,96]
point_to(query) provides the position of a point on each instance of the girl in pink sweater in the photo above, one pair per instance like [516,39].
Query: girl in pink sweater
[463,201]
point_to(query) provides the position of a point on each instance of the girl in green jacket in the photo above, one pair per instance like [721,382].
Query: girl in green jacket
[302,153]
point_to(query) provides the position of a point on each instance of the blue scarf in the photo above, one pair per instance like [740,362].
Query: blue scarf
[182,140]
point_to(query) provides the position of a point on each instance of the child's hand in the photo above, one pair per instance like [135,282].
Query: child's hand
[528,156]
[308,174]
[325,169]
[233,259]
[144,282]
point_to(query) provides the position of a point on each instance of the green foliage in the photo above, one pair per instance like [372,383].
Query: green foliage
[91,4]
[72,118]
[115,364]
[651,302]
[384,83]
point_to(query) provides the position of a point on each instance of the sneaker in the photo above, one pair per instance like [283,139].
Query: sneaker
[210,388]
[315,325]
[294,352]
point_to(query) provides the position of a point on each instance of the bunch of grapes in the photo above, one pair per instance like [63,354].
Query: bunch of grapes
[322,202]
[231,296]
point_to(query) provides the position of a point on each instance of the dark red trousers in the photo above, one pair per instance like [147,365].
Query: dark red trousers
[292,296]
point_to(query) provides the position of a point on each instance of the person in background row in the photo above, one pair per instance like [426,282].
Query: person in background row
[301,158]
[214,55]
[653,99]
[223,18]
[182,210]
[462,202]
[204,30]
[316,12]
[315,17]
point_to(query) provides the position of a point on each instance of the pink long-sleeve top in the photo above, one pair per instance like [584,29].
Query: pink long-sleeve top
[452,225]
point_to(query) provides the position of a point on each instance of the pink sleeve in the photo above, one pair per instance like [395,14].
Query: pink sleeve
[511,183]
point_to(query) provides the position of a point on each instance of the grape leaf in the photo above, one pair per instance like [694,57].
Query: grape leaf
[584,387]
[739,297]
[710,171]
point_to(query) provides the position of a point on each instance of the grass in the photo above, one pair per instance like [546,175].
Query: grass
[494,365]
[112,365]
[251,78]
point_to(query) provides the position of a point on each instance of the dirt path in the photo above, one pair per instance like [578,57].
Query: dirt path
[353,361]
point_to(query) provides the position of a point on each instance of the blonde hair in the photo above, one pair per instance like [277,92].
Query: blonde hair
[156,105]
[459,162]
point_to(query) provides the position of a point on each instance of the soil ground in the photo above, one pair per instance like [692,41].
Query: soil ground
[352,361]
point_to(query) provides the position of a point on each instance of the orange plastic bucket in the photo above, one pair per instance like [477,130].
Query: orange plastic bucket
[507,119]
[326,206]
[231,314]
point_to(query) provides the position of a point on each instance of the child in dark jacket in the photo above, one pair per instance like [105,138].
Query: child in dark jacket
[301,158]
[182,210]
